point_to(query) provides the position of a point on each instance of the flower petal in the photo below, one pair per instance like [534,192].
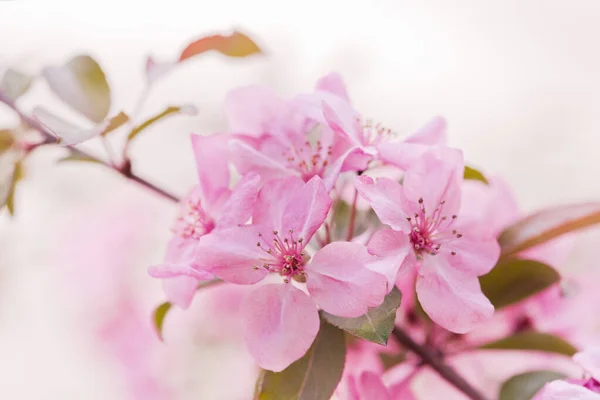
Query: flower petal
[561,390]
[212,156]
[387,199]
[371,387]
[333,83]
[280,324]
[436,176]
[248,159]
[452,298]
[231,254]
[273,199]
[180,290]
[433,133]
[307,210]
[341,284]
[589,361]
[250,109]
[474,255]
[343,119]
[394,252]
[238,208]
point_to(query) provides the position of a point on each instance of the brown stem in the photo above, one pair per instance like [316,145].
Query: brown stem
[50,138]
[434,361]
[352,221]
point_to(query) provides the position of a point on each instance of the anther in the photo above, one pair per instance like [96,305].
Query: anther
[453,253]
[255,267]
[420,200]
[459,236]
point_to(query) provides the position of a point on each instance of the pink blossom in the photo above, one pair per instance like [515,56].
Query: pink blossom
[278,138]
[380,142]
[281,321]
[577,389]
[210,205]
[427,235]
[370,386]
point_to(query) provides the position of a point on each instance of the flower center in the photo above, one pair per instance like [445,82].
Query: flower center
[193,221]
[310,157]
[430,231]
[284,256]
[371,134]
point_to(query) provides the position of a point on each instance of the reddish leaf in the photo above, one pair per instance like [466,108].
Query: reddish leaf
[235,45]
[546,225]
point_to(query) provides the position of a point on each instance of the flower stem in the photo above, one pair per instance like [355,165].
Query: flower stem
[352,220]
[125,170]
[430,358]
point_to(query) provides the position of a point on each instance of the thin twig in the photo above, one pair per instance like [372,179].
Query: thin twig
[350,233]
[430,358]
[125,170]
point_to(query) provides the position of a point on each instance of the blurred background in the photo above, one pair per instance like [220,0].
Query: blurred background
[518,82]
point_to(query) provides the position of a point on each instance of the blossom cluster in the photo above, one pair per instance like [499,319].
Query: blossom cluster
[297,160]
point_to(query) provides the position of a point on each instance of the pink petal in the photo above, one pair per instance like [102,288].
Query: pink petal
[168,271]
[238,208]
[180,290]
[589,361]
[561,390]
[343,119]
[212,159]
[387,199]
[280,324]
[307,210]
[371,387]
[436,176]
[353,159]
[434,133]
[249,110]
[452,298]
[248,159]
[341,284]
[401,154]
[290,203]
[475,255]
[394,252]
[333,83]
[231,254]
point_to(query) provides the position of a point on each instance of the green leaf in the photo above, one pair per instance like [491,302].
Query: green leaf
[189,110]
[159,317]
[7,140]
[79,157]
[513,280]
[17,175]
[546,225]
[82,85]
[473,174]
[525,386]
[115,122]
[234,45]
[391,360]
[536,341]
[313,377]
[14,83]
[376,325]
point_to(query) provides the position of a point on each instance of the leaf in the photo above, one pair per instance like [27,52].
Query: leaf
[313,377]
[473,174]
[376,325]
[67,133]
[234,45]
[14,83]
[115,122]
[525,386]
[81,84]
[79,157]
[513,280]
[391,360]
[7,140]
[159,317]
[187,109]
[532,340]
[16,176]
[546,225]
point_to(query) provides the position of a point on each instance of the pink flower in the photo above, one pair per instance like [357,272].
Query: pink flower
[210,205]
[380,142]
[369,386]
[427,235]
[281,321]
[577,389]
[278,138]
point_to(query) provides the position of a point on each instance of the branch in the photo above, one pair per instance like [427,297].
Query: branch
[430,358]
[125,170]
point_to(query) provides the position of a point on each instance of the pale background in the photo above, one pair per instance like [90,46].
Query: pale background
[518,81]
